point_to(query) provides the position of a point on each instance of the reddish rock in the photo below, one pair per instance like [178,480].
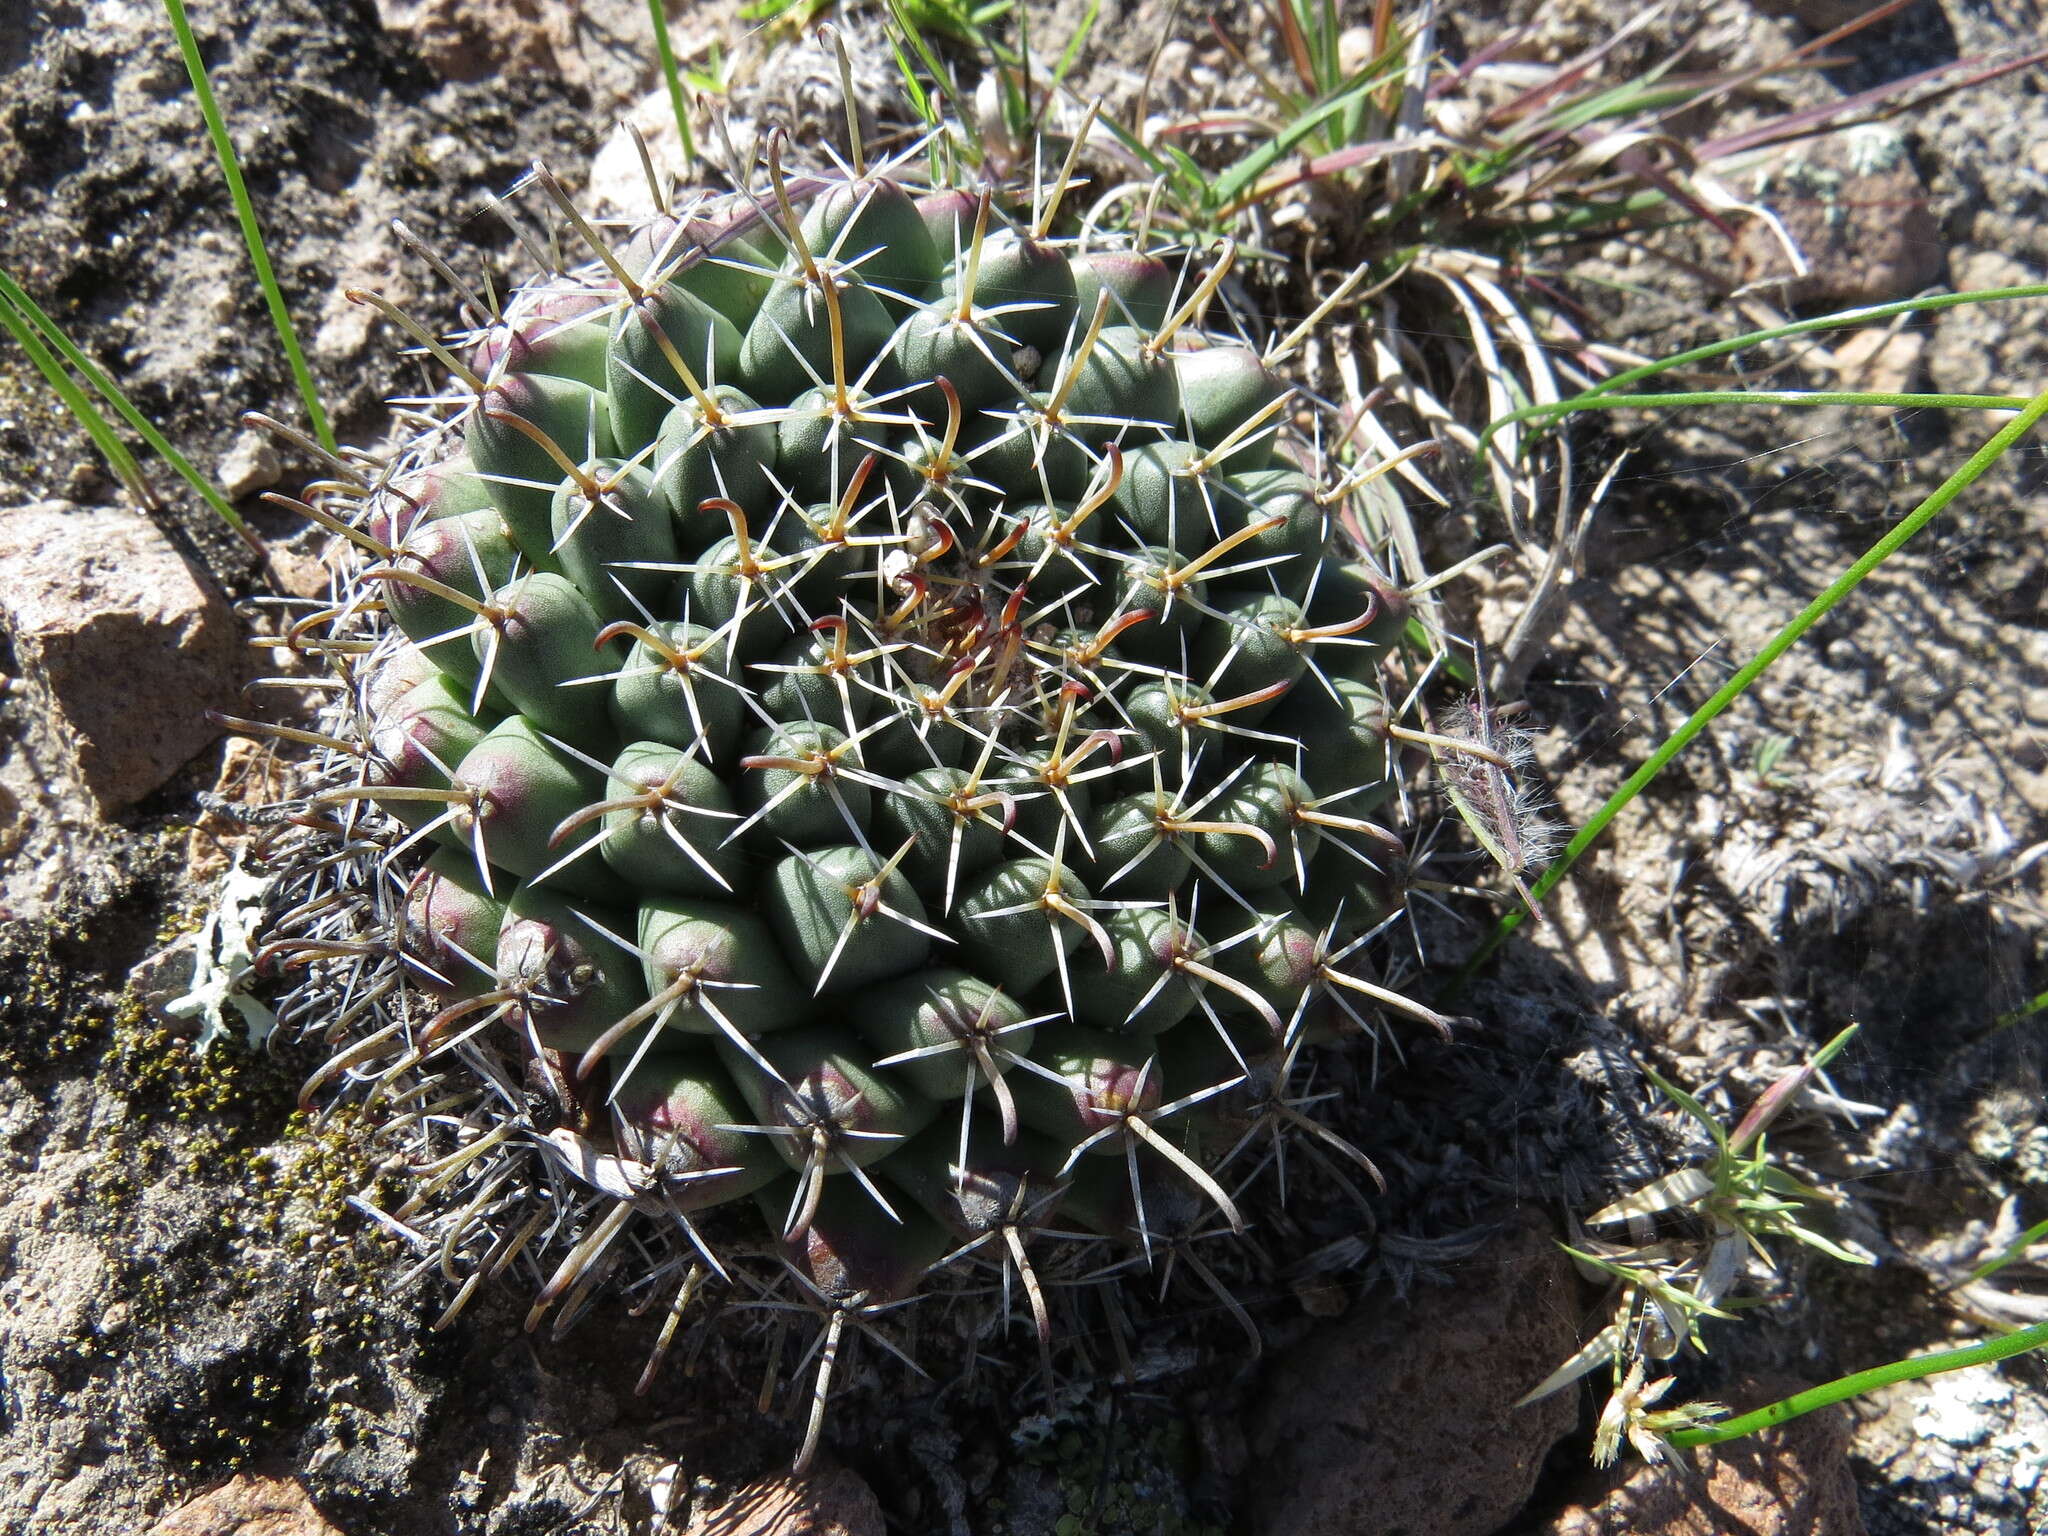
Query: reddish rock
[248,1506]
[834,1502]
[251,774]
[122,646]
[1857,210]
[1790,1481]
[1402,1418]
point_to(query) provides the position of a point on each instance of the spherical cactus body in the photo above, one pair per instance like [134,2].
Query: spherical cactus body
[877,713]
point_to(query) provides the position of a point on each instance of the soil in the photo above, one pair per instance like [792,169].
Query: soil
[184,1289]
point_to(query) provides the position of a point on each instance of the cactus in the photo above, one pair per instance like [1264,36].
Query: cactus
[859,733]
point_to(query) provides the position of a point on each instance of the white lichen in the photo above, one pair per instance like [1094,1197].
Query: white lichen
[223,963]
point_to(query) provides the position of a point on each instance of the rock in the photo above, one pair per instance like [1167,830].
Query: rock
[163,976]
[57,1287]
[250,775]
[297,571]
[84,481]
[1791,1481]
[345,332]
[251,465]
[1856,209]
[1880,360]
[470,39]
[123,646]
[54,844]
[1402,1419]
[1354,50]
[601,46]
[247,1505]
[834,1502]
[13,825]
[1985,348]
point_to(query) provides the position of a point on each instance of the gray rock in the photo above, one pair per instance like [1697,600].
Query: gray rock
[251,465]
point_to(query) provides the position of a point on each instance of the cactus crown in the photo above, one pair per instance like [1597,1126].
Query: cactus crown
[865,747]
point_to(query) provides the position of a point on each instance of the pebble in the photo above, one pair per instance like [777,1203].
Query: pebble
[250,465]
[122,644]
[831,1502]
[247,1505]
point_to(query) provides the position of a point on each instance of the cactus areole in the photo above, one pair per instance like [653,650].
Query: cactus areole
[856,768]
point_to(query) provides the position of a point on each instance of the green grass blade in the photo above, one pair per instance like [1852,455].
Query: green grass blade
[910,32]
[1739,684]
[1591,213]
[2015,1251]
[2027,1010]
[1248,170]
[912,86]
[1416,636]
[1712,350]
[1795,397]
[1077,42]
[903,31]
[1690,1105]
[96,426]
[245,213]
[1862,1381]
[1138,149]
[1319,28]
[1640,94]
[1836,321]
[673,75]
[13,294]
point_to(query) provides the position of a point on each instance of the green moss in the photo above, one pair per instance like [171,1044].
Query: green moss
[54,1012]
[227,1120]
[224,1106]
[61,1002]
